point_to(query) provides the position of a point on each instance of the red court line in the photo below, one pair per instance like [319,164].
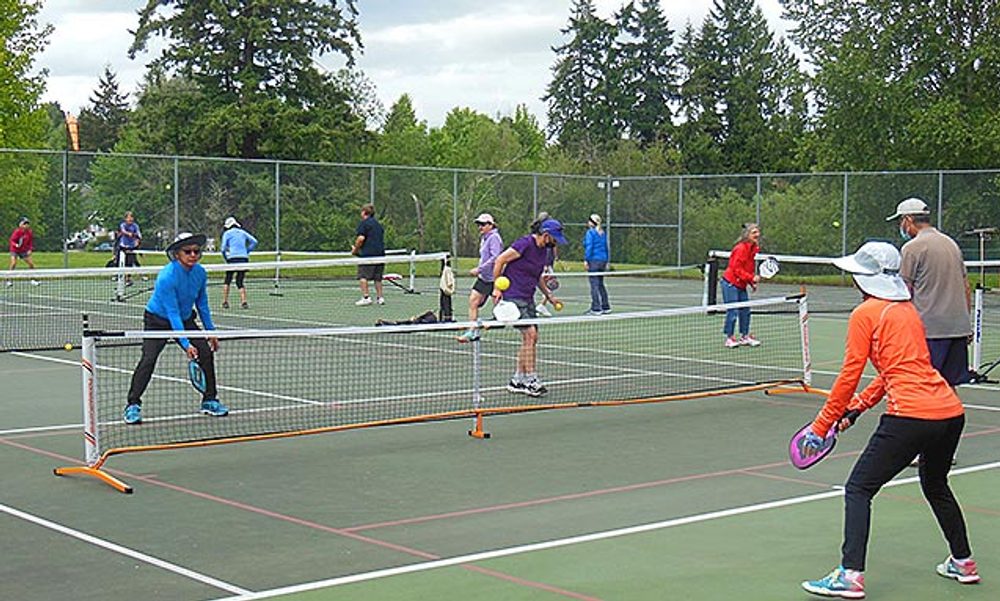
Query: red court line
[313,525]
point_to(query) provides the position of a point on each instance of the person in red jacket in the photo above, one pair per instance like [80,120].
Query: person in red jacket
[923,415]
[22,242]
[739,274]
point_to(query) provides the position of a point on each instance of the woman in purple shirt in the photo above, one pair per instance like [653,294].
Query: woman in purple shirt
[523,264]
[490,246]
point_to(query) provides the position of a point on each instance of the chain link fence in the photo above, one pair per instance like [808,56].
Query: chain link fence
[75,199]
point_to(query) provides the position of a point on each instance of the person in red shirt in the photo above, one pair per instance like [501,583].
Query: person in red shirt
[739,274]
[22,242]
[923,416]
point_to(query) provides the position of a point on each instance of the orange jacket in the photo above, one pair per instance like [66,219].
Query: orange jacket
[891,334]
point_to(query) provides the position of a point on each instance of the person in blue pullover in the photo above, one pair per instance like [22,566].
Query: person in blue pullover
[237,244]
[180,287]
[595,259]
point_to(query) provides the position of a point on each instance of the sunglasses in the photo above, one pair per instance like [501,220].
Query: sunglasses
[191,251]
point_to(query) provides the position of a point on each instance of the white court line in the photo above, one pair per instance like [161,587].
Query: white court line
[115,548]
[586,538]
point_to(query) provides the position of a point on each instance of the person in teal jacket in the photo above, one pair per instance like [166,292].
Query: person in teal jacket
[181,286]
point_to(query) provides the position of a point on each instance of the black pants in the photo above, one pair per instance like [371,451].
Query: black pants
[151,349]
[895,443]
[239,274]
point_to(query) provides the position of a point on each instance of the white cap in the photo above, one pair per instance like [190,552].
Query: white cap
[910,206]
[485,218]
[230,222]
[595,219]
[875,267]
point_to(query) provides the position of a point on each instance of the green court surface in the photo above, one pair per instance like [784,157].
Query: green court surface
[681,500]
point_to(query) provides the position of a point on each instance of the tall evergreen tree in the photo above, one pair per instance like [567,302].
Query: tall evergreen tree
[580,113]
[743,89]
[647,68]
[101,122]
[253,62]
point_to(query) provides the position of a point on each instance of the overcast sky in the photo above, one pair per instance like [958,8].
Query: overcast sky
[489,55]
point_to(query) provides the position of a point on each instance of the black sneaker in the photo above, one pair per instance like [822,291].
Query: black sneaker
[517,387]
[535,388]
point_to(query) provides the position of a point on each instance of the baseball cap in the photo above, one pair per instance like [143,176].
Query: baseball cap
[23,221]
[595,219]
[485,218]
[230,222]
[910,206]
[875,267]
[553,228]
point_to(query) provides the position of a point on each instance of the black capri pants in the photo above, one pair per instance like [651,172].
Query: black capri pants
[239,274]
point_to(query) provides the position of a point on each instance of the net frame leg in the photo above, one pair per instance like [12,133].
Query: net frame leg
[95,472]
[477,429]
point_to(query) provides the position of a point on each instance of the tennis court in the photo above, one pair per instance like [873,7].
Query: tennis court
[691,499]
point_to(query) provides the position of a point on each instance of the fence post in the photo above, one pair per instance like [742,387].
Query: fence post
[65,200]
[758,199]
[371,185]
[843,220]
[177,198]
[607,216]
[454,214]
[277,210]
[940,203]
[680,221]
[534,196]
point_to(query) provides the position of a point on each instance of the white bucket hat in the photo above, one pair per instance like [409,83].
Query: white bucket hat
[910,206]
[230,222]
[875,267]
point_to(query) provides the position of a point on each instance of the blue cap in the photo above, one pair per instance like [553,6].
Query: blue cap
[553,228]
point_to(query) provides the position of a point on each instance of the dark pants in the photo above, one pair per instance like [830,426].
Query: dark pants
[151,348]
[239,274]
[598,293]
[950,356]
[895,443]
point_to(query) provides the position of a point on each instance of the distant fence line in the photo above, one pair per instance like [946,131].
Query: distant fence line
[298,205]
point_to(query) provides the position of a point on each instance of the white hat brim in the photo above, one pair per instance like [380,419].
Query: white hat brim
[884,286]
[851,265]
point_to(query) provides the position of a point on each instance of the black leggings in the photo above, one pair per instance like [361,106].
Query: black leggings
[892,447]
[239,274]
[151,349]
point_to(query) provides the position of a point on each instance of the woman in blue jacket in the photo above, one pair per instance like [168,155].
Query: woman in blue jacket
[595,259]
[237,244]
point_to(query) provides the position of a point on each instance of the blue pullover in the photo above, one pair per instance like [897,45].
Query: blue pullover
[178,291]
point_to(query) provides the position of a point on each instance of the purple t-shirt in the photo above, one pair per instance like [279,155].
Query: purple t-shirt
[490,248]
[525,271]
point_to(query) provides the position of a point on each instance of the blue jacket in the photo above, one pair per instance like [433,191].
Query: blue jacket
[177,292]
[595,246]
[237,243]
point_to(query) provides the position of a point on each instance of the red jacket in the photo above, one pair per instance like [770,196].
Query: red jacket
[742,264]
[22,240]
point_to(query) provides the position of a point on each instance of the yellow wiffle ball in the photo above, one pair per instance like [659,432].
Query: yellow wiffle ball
[558,306]
[68,346]
[502,283]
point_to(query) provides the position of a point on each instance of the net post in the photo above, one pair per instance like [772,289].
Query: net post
[977,329]
[91,422]
[477,429]
[413,270]
[710,294]
[804,333]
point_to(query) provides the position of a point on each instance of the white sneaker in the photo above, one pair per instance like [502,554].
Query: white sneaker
[9,283]
[365,300]
[732,343]
[380,300]
[749,340]
[543,310]
[35,282]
